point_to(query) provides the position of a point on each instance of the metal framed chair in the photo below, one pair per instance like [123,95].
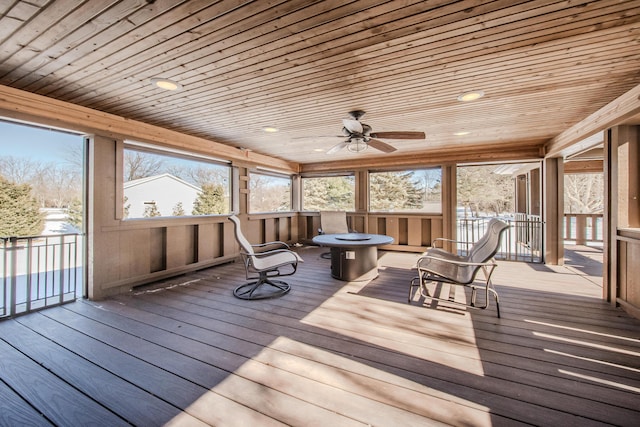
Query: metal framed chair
[333,222]
[263,262]
[439,266]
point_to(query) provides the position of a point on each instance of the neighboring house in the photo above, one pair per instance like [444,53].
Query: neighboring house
[164,191]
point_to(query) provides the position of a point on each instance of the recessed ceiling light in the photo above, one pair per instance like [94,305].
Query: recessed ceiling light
[166,84]
[270,129]
[318,150]
[470,96]
[462,133]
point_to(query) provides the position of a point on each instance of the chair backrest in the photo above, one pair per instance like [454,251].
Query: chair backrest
[244,243]
[333,222]
[484,249]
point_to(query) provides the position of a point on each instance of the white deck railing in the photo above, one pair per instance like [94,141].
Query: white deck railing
[39,271]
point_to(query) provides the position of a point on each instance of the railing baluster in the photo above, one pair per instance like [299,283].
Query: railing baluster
[28,274]
[34,272]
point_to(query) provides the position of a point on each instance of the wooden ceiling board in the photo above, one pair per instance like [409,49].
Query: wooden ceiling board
[301,66]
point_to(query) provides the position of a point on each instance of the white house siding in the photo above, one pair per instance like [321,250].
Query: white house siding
[165,190]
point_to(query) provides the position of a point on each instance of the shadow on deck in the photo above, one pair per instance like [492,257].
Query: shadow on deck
[328,353]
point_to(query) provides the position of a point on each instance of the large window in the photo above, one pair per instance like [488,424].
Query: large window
[41,181]
[269,193]
[328,193]
[169,185]
[406,191]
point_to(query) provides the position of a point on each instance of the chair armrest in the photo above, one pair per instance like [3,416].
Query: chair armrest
[491,262]
[272,252]
[442,239]
[262,247]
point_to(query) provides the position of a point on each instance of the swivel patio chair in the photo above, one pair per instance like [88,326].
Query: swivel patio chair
[439,266]
[263,262]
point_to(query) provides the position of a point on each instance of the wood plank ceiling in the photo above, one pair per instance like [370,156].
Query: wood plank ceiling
[300,66]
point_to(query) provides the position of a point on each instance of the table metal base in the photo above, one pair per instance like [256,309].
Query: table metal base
[354,264]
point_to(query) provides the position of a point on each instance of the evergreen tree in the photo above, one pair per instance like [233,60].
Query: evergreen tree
[126,207]
[392,191]
[19,213]
[75,214]
[330,193]
[178,210]
[210,201]
[151,211]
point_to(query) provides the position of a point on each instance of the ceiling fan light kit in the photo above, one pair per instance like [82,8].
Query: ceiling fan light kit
[360,136]
[357,145]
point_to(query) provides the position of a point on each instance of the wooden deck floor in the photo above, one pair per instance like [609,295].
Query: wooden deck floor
[330,353]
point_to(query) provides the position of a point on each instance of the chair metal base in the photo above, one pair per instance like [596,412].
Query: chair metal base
[257,289]
[416,282]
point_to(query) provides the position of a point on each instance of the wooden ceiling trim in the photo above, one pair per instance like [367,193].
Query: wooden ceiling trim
[208,94]
[18,104]
[612,114]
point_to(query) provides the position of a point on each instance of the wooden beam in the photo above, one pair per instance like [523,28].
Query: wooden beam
[26,106]
[477,154]
[612,114]
[583,166]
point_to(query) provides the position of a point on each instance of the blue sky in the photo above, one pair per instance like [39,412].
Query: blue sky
[35,143]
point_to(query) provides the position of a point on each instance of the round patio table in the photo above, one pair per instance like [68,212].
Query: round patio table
[354,256]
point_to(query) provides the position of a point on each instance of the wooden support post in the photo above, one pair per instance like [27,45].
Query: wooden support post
[449,204]
[553,176]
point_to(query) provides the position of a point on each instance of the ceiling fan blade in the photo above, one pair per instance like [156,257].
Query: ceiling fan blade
[382,146]
[352,126]
[338,147]
[399,135]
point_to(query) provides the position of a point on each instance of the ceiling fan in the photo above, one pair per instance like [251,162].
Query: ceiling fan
[359,136]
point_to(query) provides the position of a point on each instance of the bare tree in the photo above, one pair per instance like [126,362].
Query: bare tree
[584,193]
[52,185]
[140,165]
[19,170]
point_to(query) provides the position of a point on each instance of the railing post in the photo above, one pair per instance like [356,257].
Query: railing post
[5,294]
[581,229]
[62,263]
[14,279]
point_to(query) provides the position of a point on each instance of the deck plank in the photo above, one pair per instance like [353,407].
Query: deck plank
[335,353]
[16,411]
[128,401]
[61,403]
